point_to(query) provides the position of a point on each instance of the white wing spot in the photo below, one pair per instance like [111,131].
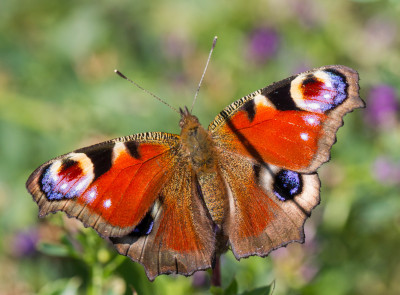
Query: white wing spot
[328,83]
[119,148]
[313,106]
[64,186]
[260,99]
[304,136]
[91,196]
[107,203]
[80,185]
[311,120]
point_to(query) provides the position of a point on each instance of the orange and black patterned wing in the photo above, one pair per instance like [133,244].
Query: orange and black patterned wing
[182,239]
[271,143]
[136,191]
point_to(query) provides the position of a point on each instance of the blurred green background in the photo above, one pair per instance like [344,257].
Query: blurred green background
[58,92]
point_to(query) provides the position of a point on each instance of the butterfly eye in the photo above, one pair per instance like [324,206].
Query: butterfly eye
[287,185]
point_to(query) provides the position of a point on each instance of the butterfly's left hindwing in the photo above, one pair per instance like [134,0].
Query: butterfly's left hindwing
[271,143]
[182,238]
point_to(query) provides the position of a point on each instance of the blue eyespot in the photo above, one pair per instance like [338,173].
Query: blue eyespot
[287,185]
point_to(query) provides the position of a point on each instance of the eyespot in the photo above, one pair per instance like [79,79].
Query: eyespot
[287,185]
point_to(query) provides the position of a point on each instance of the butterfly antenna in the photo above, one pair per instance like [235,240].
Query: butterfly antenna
[145,90]
[204,72]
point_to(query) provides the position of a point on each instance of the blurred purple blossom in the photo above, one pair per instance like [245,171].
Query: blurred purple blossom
[309,271]
[386,170]
[299,259]
[262,45]
[200,279]
[380,33]
[307,11]
[24,243]
[175,46]
[382,106]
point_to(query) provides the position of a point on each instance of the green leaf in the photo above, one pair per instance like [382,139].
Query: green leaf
[266,290]
[216,290]
[70,247]
[232,289]
[53,249]
[61,287]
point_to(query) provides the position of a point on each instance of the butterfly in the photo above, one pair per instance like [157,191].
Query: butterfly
[248,182]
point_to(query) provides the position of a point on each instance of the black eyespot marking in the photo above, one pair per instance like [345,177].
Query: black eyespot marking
[132,147]
[43,180]
[67,163]
[309,79]
[279,94]
[250,108]
[287,185]
[144,227]
[101,156]
[257,171]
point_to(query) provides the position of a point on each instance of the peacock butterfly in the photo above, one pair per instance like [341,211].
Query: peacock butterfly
[248,182]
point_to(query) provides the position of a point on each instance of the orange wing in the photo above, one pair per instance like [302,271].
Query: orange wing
[270,144]
[137,190]
[292,123]
[182,239]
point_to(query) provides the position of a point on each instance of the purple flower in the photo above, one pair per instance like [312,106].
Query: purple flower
[307,12]
[25,241]
[175,46]
[386,170]
[380,33]
[309,271]
[382,106]
[200,279]
[262,45]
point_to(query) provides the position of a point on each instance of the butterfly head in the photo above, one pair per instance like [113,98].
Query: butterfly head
[196,142]
[188,121]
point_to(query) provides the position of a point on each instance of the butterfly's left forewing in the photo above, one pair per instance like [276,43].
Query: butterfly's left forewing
[108,186]
[270,144]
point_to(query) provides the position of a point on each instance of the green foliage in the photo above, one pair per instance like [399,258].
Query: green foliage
[58,92]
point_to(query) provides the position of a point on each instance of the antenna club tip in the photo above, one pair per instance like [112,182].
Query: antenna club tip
[214,41]
[120,74]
